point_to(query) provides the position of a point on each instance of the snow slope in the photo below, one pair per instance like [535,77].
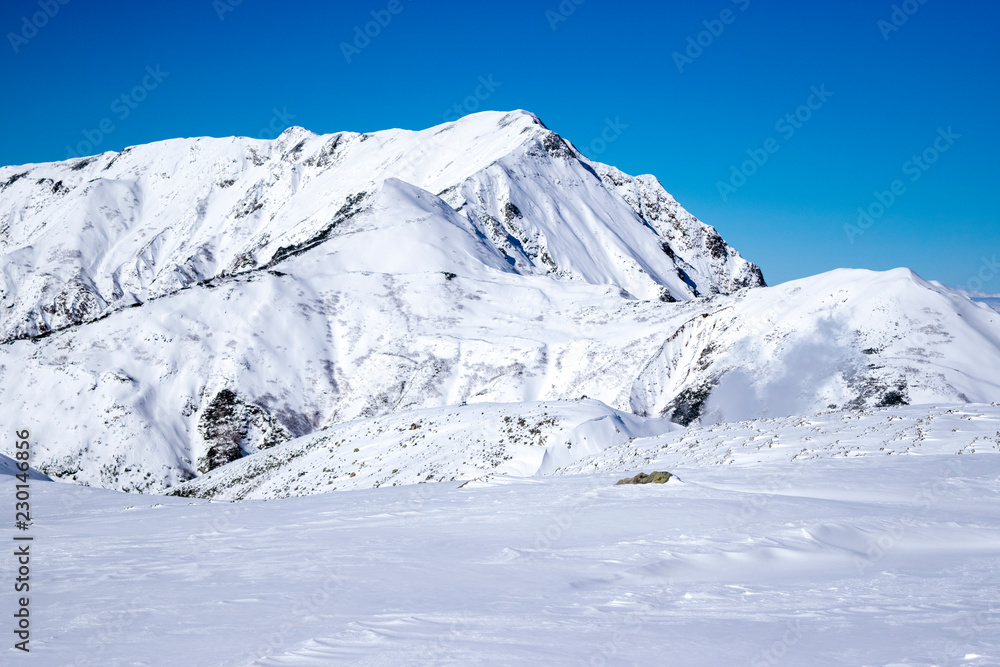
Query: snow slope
[155,395]
[486,441]
[434,444]
[878,560]
[918,430]
[8,466]
[479,306]
[843,339]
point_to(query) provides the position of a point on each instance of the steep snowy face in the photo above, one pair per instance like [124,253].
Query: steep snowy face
[85,237]
[696,248]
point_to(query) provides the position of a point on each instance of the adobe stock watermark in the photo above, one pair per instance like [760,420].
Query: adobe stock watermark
[212,530]
[927,497]
[559,524]
[30,25]
[696,44]
[561,520]
[109,635]
[973,625]
[434,653]
[121,107]
[363,36]
[223,7]
[22,542]
[622,638]
[901,13]
[277,124]
[308,605]
[487,86]
[988,270]
[562,12]
[608,135]
[483,91]
[787,126]
[753,503]
[779,649]
[914,168]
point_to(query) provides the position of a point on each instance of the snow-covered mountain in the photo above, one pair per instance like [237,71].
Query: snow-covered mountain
[179,306]
[84,237]
[842,339]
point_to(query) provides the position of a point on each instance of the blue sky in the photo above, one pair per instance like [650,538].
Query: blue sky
[889,91]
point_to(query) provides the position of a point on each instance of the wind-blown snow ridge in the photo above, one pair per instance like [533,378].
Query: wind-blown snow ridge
[843,339]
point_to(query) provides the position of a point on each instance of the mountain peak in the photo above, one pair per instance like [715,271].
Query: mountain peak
[97,234]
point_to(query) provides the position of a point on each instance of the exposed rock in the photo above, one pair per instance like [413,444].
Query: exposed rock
[233,428]
[655,477]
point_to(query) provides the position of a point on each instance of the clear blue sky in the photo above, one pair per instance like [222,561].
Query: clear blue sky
[891,92]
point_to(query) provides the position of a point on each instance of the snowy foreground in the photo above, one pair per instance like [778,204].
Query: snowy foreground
[843,557]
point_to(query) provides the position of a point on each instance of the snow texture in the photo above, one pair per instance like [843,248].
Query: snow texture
[827,559]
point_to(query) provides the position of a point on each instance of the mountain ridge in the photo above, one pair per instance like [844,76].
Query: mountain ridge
[80,238]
